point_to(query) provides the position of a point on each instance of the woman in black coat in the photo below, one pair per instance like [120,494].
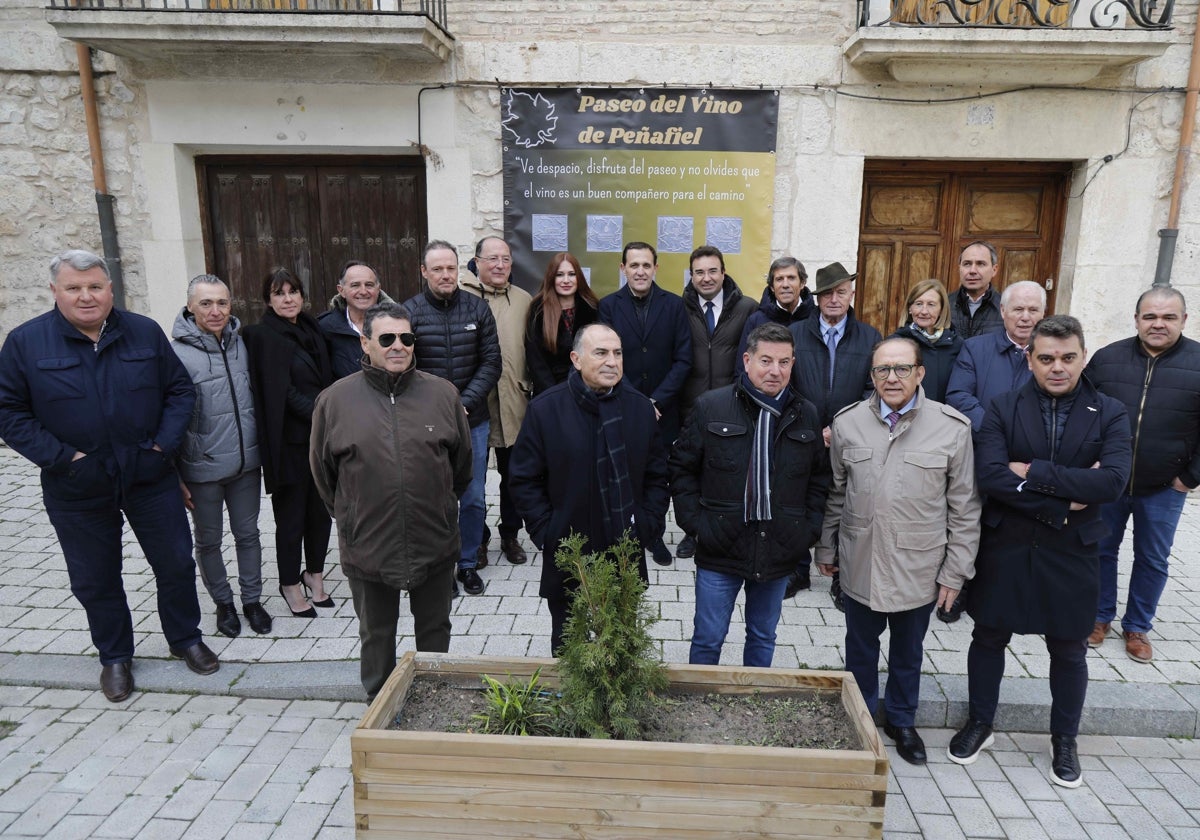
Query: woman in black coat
[928,324]
[289,366]
[564,305]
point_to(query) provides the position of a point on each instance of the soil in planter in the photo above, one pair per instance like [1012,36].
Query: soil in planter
[815,720]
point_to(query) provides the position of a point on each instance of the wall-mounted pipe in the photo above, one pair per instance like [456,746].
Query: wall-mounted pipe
[104,201]
[1187,130]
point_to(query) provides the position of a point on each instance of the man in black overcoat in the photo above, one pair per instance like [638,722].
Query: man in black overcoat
[589,459]
[1049,455]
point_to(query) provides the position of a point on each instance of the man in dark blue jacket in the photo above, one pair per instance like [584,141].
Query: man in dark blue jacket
[994,364]
[832,370]
[98,400]
[656,340]
[786,300]
[1156,375]
[457,340]
[589,459]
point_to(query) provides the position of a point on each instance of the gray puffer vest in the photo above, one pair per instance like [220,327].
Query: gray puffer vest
[221,440]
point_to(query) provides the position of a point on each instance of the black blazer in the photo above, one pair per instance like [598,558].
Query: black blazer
[1038,567]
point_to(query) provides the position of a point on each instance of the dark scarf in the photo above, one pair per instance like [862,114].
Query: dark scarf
[612,466]
[306,335]
[757,506]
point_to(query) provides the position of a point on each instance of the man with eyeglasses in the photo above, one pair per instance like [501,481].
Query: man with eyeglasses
[902,526]
[507,401]
[391,457]
[456,340]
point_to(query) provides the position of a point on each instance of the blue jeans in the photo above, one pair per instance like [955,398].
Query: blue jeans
[470,506]
[716,593]
[1155,516]
[906,647]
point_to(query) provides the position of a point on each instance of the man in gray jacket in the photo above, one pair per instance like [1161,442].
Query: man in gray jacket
[902,524]
[219,464]
[391,456]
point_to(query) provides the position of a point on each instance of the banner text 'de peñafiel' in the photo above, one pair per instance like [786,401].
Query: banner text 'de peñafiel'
[586,170]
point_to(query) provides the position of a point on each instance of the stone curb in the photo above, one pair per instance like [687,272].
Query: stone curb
[1114,709]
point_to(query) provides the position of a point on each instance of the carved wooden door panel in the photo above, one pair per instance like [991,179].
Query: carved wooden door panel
[310,216]
[917,216]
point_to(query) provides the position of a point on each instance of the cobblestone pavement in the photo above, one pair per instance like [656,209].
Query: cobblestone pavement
[216,756]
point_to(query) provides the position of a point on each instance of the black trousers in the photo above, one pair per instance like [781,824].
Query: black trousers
[377,606]
[510,520]
[1068,677]
[301,524]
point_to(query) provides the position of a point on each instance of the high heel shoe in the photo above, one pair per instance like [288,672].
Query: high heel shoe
[328,602]
[308,613]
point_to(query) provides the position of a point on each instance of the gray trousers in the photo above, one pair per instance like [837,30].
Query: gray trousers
[242,495]
[378,608]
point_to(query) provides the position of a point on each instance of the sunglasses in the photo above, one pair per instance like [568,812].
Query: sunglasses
[388,339]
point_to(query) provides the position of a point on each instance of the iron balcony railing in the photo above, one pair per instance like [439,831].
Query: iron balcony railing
[435,10]
[1019,14]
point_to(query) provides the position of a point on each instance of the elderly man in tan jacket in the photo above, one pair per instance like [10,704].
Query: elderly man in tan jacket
[507,401]
[901,525]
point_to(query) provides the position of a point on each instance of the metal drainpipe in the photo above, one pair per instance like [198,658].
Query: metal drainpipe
[1187,129]
[104,201]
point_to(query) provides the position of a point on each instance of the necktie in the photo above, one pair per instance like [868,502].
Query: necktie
[831,343]
[893,419]
[709,318]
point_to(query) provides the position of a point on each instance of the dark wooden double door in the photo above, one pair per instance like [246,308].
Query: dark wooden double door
[917,216]
[310,215]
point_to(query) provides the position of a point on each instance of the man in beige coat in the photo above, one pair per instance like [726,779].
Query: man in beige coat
[507,401]
[901,525]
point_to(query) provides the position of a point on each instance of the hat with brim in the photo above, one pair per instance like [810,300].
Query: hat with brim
[831,276]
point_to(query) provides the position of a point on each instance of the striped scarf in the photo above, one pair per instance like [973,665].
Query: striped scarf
[612,464]
[757,505]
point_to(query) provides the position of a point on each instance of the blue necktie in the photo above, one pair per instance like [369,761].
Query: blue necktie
[709,319]
[831,343]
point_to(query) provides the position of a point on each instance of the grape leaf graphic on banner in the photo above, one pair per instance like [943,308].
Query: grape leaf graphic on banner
[529,119]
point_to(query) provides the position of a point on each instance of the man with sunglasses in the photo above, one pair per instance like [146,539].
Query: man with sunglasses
[901,524]
[391,457]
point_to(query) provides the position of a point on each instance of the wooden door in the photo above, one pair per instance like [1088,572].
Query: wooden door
[1016,13]
[917,216]
[311,215]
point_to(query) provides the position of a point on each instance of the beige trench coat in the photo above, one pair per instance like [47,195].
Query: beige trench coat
[903,513]
[507,401]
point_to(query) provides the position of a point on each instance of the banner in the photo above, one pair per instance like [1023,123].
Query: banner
[587,170]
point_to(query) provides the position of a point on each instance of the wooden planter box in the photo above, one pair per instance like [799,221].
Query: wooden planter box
[453,785]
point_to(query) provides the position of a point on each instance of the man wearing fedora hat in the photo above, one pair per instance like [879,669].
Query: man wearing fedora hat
[833,367]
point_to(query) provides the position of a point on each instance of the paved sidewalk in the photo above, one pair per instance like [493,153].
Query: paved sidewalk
[238,754]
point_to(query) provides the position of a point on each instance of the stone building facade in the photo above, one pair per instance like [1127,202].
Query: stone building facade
[174,86]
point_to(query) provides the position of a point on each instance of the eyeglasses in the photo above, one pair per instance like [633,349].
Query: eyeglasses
[388,339]
[497,260]
[882,372]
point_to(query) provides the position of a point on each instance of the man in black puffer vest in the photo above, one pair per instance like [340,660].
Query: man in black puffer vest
[456,340]
[1156,375]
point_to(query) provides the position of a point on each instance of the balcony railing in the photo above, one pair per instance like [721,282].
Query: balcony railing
[435,10]
[1019,14]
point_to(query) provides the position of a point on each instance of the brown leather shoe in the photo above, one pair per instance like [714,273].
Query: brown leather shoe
[510,547]
[116,681]
[1099,634]
[199,658]
[1137,647]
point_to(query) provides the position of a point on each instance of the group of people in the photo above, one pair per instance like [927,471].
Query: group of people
[968,447]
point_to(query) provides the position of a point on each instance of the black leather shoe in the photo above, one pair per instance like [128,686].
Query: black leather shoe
[835,592]
[481,553]
[227,621]
[471,582]
[969,742]
[1064,762]
[116,681]
[510,547]
[199,658]
[686,549]
[908,742]
[661,554]
[257,617]
[798,580]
